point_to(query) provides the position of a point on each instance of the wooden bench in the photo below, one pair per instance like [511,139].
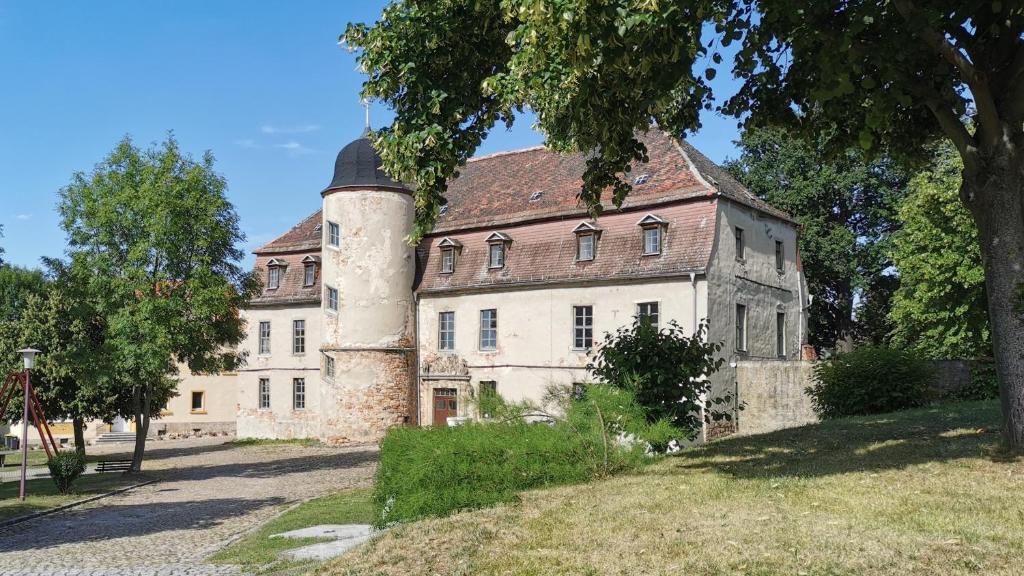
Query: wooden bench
[113,465]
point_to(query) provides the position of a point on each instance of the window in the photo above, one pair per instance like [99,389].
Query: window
[264,338]
[309,277]
[585,247]
[299,393]
[332,299]
[446,331]
[447,260]
[780,334]
[488,388]
[273,277]
[583,327]
[198,402]
[333,234]
[652,240]
[328,367]
[740,245]
[741,328]
[648,310]
[264,394]
[489,329]
[298,337]
[496,257]
[780,257]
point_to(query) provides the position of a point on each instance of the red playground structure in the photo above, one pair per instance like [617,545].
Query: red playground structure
[9,391]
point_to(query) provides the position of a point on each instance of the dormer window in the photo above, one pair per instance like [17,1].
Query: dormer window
[586,241]
[309,271]
[449,248]
[653,234]
[497,243]
[275,269]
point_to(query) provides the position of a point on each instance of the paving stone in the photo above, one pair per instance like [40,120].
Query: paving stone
[336,531]
[325,550]
[209,494]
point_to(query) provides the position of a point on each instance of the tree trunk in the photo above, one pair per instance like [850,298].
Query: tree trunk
[995,196]
[79,427]
[141,409]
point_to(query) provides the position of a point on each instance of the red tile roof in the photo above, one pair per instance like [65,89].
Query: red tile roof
[292,289]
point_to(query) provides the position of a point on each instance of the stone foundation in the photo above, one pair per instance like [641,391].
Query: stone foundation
[373,390]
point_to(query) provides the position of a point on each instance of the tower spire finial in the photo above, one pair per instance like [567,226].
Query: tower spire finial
[366,108]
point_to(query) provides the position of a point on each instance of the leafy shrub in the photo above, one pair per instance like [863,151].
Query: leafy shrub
[666,370]
[439,471]
[65,468]
[869,380]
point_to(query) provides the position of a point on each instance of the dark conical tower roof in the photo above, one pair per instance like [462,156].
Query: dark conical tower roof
[359,166]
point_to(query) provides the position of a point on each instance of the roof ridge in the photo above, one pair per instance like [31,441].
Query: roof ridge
[507,153]
[301,222]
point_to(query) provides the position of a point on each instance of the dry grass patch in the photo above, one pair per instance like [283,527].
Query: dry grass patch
[915,493]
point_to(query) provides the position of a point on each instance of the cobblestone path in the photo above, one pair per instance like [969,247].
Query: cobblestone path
[209,492]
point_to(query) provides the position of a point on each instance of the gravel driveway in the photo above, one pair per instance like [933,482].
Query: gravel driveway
[209,492]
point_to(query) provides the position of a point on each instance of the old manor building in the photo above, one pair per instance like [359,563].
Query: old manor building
[357,331]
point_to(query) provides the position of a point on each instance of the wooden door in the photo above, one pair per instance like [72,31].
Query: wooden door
[446,403]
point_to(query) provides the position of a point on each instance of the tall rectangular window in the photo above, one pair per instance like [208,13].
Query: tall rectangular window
[264,338]
[585,247]
[274,277]
[741,247]
[310,275]
[447,260]
[648,310]
[264,394]
[583,327]
[299,393]
[741,328]
[489,329]
[328,367]
[780,256]
[652,240]
[333,234]
[446,331]
[497,256]
[298,337]
[332,299]
[488,388]
[780,334]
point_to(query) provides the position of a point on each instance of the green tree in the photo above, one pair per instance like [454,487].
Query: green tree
[16,285]
[158,240]
[887,76]
[846,207]
[940,308]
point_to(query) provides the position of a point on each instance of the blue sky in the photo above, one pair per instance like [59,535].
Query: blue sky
[263,85]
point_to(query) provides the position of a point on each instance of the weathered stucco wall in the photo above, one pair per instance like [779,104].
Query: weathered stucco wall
[773,394]
[281,366]
[220,404]
[535,331]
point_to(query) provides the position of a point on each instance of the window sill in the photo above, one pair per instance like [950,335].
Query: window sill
[651,254]
[449,273]
[581,350]
[487,350]
[197,412]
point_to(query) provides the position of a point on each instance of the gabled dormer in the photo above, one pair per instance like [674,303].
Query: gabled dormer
[450,249]
[275,270]
[587,234]
[653,234]
[310,268]
[497,244]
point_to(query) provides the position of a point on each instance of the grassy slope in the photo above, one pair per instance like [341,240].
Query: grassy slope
[42,492]
[258,550]
[918,493]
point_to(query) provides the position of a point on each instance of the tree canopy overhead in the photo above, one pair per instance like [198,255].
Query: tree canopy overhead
[881,75]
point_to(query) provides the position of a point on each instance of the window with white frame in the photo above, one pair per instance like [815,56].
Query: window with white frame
[496,255]
[582,327]
[652,240]
[333,234]
[648,310]
[741,328]
[274,277]
[328,367]
[299,393]
[780,334]
[332,299]
[447,260]
[264,401]
[489,329]
[309,276]
[585,247]
[298,336]
[264,344]
[446,331]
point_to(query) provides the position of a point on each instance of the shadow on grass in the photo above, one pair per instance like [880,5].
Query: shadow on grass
[871,443]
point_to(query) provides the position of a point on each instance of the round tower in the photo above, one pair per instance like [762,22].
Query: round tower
[367,301]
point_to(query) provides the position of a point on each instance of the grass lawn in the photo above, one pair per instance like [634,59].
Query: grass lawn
[38,457]
[922,492]
[259,551]
[42,493]
[275,442]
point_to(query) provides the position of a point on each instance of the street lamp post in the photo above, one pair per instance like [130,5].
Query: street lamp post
[28,355]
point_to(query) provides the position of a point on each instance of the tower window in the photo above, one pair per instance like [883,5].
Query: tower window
[333,234]
[328,367]
[332,299]
[489,329]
